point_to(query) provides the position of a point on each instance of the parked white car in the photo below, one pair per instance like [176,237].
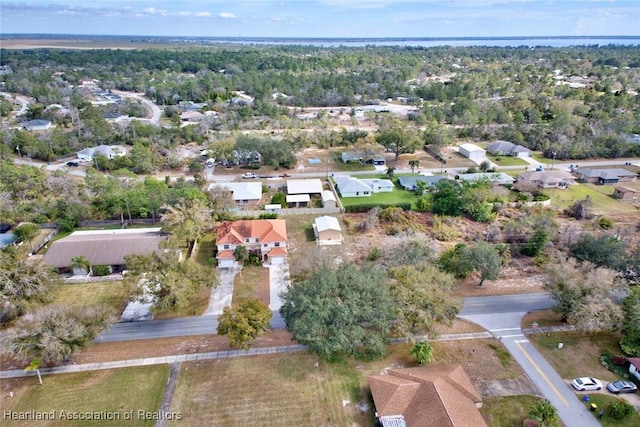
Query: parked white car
[586,384]
[249,175]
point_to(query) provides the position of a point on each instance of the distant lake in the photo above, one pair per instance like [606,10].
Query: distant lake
[434,42]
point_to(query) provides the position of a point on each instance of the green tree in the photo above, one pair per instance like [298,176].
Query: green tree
[423,352]
[545,414]
[630,342]
[399,139]
[422,299]
[55,333]
[173,285]
[81,263]
[240,253]
[606,251]
[242,323]
[582,293]
[413,164]
[26,232]
[279,199]
[446,199]
[483,258]
[343,311]
[23,283]
[536,243]
[188,220]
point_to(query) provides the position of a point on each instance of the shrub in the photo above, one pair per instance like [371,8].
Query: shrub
[369,206]
[268,216]
[423,352]
[607,360]
[100,270]
[606,223]
[620,409]
[445,229]
[374,253]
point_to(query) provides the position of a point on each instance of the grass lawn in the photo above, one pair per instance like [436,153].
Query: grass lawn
[396,196]
[251,282]
[603,401]
[507,411]
[580,355]
[507,160]
[206,247]
[112,294]
[537,155]
[287,390]
[601,195]
[115,391]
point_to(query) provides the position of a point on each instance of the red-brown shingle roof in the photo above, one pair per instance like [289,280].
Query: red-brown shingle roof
[267,230]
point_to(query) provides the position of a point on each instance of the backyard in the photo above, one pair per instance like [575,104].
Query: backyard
[602,196]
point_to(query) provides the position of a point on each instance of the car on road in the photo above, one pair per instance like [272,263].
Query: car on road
[73,164]
[622,386]
[249,175]
[586,384]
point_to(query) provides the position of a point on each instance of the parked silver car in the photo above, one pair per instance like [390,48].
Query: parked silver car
[622,386]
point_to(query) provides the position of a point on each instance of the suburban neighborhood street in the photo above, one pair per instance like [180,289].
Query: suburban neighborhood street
[506,328]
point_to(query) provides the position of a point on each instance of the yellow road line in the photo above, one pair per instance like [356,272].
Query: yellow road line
[544,377]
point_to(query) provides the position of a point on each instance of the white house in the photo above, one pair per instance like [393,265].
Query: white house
[109,151]
[352,187]
[379,185]
[36,125]
[244,194]
[327,231]
[634,367]
[471,151]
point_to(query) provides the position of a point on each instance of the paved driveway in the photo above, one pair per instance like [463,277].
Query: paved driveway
[221,295]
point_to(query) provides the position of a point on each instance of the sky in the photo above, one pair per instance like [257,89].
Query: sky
[323,18]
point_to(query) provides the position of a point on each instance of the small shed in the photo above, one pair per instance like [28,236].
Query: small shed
[328,199]
[625,192]
[471,151]
[327,231]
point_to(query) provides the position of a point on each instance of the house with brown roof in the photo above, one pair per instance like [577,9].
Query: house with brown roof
[547,179]
[104,247]
[266,238]
[634,367]
[426,396]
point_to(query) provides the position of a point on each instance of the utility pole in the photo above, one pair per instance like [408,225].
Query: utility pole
[554,159]
[19,153]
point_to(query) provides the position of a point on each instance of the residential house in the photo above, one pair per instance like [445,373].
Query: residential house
[352,187]
[626,192]
[327,231]
[244,194]
[379,185]
[506,148]
[410,182]
[36,125]
[191,116]
[369,156]
[547,179]
[426,396]
[634,367]
[109,151]
[472,151]
[266,238]
[604,175]
[496,178]
[113,117]
[104,247]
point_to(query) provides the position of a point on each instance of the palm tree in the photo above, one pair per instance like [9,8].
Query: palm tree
[413,164]
[545,414]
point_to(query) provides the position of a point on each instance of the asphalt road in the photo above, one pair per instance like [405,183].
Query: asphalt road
[489,305]
[502,317]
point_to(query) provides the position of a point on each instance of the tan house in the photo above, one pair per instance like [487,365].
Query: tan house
[266,238]
[327,231]
[547,179]
[626,192]
[426,396]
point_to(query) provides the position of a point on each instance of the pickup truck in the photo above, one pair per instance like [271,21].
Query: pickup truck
[249,175]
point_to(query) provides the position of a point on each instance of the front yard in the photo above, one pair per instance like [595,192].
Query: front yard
[117,392]
[287,389]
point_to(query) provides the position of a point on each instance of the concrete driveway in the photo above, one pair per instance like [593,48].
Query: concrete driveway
[221,295]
